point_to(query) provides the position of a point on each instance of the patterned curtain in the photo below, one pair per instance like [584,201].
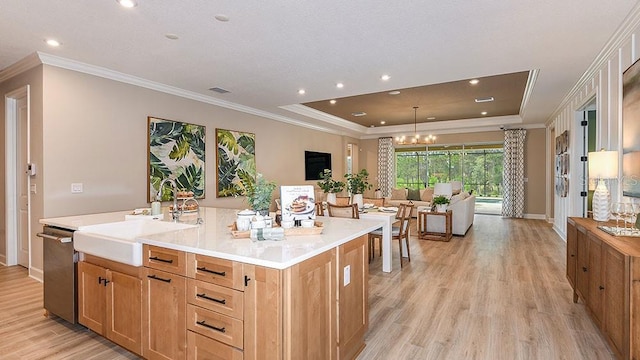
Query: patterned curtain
[513,173]
[385,165]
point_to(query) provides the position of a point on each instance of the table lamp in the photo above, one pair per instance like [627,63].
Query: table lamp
[602,165]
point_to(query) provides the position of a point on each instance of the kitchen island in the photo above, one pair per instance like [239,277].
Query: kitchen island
[202,293]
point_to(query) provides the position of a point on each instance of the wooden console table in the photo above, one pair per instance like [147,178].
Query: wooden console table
[444,235]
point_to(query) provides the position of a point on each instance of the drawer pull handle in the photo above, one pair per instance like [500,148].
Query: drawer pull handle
[203,323]
[158,278]
[204,296]
[584,269]
[220,273]
[161,260]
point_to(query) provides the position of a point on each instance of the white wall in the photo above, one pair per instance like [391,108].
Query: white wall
[603,80]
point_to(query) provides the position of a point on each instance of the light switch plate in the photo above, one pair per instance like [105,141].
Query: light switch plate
[347,275]
[76,188]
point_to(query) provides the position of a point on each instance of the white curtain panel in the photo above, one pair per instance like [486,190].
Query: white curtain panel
[385,165]
[513,173]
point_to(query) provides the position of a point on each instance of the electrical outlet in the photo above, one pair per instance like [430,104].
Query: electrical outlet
[347,275]
[76,188]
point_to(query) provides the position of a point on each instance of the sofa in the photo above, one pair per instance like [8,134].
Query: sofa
[462,206]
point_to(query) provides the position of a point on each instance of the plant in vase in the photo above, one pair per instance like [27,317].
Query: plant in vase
[329,186]
[440,203]
[357,184]
[258,192]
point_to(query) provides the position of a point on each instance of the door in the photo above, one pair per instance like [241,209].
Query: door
[22,181]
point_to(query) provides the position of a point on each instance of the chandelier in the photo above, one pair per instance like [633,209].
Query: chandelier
[415,139]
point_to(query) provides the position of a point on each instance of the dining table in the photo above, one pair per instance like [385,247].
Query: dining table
[389,218]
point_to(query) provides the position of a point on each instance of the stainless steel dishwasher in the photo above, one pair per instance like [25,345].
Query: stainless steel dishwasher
[60,260]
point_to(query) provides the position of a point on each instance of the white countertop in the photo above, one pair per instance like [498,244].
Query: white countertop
[214,238]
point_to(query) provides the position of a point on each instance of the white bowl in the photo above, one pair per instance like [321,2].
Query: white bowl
[308,223]
[287,224]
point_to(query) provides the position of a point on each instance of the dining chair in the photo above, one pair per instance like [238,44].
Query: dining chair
[342,200]
[376,202]
[319,209]
[344,211]
[399,233]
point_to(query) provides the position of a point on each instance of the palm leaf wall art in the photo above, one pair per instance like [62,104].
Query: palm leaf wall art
[236,156]
[176,150]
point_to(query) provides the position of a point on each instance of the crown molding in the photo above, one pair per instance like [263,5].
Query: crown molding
[626,29]
[19,67]
[328,118]
[81,67]
[528,90]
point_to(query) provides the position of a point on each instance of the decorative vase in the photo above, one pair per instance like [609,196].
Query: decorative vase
[331,198]
[441,208]
[357,199]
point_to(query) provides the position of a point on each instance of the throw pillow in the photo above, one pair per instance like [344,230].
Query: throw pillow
[399,194]
[413,194]
[427,194]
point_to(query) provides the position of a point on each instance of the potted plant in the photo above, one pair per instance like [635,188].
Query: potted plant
[258,193]
[357,184]
[329,186]
[440,202]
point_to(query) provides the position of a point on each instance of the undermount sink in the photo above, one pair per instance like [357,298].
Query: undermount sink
[117,241]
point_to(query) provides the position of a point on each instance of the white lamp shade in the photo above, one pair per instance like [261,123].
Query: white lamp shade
[443,189]
[603,164]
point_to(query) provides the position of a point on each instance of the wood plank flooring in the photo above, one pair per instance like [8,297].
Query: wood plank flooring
[500,292]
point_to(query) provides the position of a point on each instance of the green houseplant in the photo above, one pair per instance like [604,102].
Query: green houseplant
[328,185]
[357,184]
[440,202]
[258,193]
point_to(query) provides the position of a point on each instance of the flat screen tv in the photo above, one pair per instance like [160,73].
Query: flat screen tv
[315,163]
[631,131]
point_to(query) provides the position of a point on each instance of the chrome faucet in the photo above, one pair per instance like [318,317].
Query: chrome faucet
[176,212]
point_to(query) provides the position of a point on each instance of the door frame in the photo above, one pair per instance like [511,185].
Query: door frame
[11,173]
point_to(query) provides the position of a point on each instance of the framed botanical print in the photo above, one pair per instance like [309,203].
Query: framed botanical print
[236,160]
[177,151]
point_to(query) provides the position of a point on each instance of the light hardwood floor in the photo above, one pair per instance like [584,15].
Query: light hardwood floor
[500,292]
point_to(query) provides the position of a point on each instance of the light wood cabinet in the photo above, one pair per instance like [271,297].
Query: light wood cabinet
[572,256]
[353,303]
[608,281]
[164,315]
[109,301]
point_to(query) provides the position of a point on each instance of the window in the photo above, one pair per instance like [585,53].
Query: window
[479,167]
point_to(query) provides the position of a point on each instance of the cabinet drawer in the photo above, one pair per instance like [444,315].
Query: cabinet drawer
[173,261]
[217,271]
[201,347]
[217,298]
[216,326]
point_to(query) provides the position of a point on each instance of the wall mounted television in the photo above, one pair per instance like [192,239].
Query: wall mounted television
[315,163]
[631,131]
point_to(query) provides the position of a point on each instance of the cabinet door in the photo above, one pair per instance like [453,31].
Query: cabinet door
[310,308]
[164,315]
[572,252]
[91,296]
[596,285]
[615,279]
[262,313]
[582,277]
[353,274]
[124,325]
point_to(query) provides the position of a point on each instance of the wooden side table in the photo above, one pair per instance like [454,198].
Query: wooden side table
[434,235]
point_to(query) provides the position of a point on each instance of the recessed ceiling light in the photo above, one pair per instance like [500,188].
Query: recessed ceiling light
[222,17]
[382,122]
[127,3]
[332,101]
[385,77]
[395,92]
[483,113]
[340,85]
[372,125]
[474,81]
[301,92]
[359,113]
[485,99]
[172,36]
[431,118]
[53,42]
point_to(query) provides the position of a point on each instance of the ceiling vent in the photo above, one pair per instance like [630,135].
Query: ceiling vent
[359,113]
[219,90]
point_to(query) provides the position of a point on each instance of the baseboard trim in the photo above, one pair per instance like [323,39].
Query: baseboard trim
[36,274]
[3,260]
[535,216]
